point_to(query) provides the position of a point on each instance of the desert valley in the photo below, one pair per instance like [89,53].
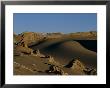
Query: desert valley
[55,53]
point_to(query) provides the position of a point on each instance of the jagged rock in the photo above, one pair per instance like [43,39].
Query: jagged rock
[23,50]
[28,37]
[37,53]
[51,59]
[24,44]
[56,70]
[90,71]
[46,56]
[34,51]
[75,63]
[70,64]
[76,66]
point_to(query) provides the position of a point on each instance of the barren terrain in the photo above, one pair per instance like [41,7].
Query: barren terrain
[55,53]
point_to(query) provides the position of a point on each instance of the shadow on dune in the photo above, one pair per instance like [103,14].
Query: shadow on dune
[64,51]
[89,44]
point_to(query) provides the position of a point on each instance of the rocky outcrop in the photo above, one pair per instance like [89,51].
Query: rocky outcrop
[90,71]
[37,53]
[28,38]
[20,50]
[56,70]
[51,59]
[54,35]
[78,65]
[92,35]
[21,42]
[75,63]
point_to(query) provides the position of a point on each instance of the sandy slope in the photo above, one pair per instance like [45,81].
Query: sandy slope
[30,65]
[65,50]
[34,65]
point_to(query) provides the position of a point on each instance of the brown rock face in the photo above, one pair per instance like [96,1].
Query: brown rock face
[75,64]
[56,70]
[22,41]
[19,50]
[29,37]
[90,71]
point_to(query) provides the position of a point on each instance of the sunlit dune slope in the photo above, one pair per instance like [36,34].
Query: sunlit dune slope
[65,50]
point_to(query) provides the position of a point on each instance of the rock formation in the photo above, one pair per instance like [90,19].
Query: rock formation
[75,63]
[90,71]
[56,70]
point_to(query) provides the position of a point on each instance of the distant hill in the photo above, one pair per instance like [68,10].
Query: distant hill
[31,38]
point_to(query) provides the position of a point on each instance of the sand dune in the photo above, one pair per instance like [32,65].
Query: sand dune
[55,54]
[65,50]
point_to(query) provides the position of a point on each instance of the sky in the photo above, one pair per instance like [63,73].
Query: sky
[54,22]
